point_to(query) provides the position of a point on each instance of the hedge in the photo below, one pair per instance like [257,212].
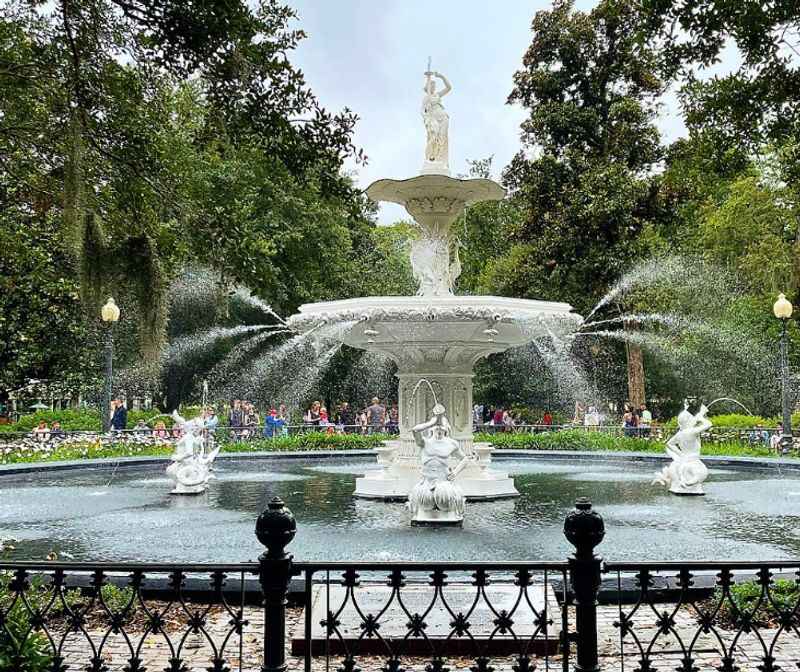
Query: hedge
[80,450]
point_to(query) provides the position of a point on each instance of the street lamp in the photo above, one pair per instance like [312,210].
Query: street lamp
[783,311]
[110,314]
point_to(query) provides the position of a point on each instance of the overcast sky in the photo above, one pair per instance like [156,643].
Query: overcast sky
[369,55]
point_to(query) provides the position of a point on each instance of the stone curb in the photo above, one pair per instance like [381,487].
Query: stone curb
[756,463]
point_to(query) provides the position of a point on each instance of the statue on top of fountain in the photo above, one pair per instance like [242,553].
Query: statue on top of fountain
[190,468]
[436,499]
[436,125]
[686,473]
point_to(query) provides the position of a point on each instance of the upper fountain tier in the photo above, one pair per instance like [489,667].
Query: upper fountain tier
[447,333]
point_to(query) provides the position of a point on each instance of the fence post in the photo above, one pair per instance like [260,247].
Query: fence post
[584,529]
[275,528]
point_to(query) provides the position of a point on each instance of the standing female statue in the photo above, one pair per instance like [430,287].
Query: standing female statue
[436,124]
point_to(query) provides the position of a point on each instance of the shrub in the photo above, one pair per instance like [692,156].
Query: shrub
[20,647]
[78,419]
[570,439]
[749,599]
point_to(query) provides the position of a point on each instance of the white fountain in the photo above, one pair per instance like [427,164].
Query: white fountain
[436,336]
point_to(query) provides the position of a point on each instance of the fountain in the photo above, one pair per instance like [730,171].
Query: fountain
[436,335]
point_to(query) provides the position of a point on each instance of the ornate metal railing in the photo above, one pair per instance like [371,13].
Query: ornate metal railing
[692,616]
[578,614]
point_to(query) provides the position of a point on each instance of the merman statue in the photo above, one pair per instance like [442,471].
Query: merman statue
[436,499]
[686,473]
[191,467]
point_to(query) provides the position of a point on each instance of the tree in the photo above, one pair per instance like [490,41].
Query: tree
[758,101]
[110,106]
[583,177]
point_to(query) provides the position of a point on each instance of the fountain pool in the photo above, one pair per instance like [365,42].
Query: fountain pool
[747,514]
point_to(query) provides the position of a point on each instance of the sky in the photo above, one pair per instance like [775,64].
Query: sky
[370,55]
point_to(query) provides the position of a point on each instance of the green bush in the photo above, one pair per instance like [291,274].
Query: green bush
[578,439]
[570,439]
[746,600]
[20,649]
[736,421]
[79,419]
[87,450]
[308,441]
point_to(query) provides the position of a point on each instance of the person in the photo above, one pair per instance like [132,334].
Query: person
[119,420]
[629,422]
[160,430]
[283,414]
[393,420]
[508,422]
[592,419]
[547,421]
[376,416]
[362,422]
[775,438]
[477,416]
[497,420]
[645,421]
[41,432]
[236,419]
[251,419]
[210,420]
[273,425]
[759,435]
[56,432]
[141,428]
[311,416]
[346,418]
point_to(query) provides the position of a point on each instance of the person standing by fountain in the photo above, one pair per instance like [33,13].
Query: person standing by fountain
[376,416]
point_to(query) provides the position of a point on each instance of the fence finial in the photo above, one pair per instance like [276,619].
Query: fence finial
[276,527]
[584,528]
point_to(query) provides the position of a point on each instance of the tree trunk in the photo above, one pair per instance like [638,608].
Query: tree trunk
[635,371]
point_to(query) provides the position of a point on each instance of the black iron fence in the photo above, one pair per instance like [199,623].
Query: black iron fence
[280,613]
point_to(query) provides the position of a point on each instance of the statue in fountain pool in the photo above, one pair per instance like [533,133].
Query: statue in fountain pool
[686,473]
[436,499]
[190,468]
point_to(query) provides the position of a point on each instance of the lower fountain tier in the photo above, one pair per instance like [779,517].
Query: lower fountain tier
[398,474]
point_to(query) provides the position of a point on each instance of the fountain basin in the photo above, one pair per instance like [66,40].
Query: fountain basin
[749,512]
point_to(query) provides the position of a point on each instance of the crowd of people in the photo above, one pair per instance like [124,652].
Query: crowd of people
[374,417]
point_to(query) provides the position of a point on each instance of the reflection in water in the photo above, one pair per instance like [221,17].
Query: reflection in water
[745,515]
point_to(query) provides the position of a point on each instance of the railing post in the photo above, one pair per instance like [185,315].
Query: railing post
[584,529]
[275,528]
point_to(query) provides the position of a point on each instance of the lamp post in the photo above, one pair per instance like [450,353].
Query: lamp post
[110,314]
[783,311]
